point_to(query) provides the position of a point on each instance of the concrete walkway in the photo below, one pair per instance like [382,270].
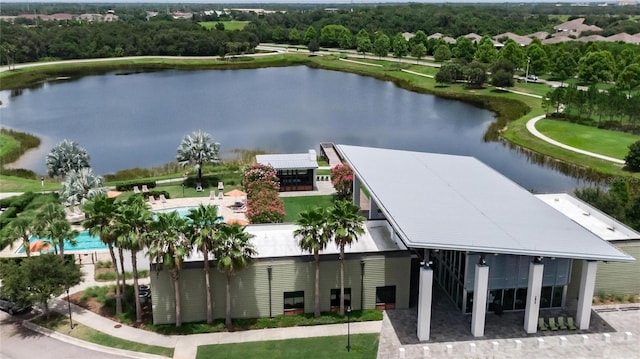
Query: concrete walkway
[531,127]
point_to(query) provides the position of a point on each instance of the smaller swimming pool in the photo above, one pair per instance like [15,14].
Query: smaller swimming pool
[182,211]
[85,242]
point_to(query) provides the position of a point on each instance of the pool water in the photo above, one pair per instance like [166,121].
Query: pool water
[85,242]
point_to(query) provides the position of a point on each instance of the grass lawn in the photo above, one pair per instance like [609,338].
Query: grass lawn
[362,346]
[228,25]
[18,184]
[7,144]
[605,142]
[294,205]
[60,324]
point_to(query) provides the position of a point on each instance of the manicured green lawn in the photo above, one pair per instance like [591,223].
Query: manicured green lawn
[7,144]
[362,346]
[18,184]
[294,205]
[60,324]
[228,25]
[605,142]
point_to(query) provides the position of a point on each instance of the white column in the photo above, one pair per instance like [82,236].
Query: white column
[424,303]
[479,300]
[534,288]
[585,296]
[356,190]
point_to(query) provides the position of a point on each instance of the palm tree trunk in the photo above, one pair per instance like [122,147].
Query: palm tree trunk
[227,321]
[342,279]
[316,305]
[207,281]
[136,290]
[115,269]
[176,292]
[26,245]
[124,278]
[61,243]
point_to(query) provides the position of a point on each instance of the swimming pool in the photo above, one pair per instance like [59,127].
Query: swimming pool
[87,242]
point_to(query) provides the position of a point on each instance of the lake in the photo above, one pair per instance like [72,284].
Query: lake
[139,119]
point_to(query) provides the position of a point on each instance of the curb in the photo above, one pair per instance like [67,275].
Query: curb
[88,345]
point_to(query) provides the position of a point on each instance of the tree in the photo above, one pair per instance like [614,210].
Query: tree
[21,227]
[233,252]
[400,46]
[629,78]
[442,53]
[513,52]
[100,211]
[133,219]
[312,237]
[363,42]
[538,59]
[344,225]
[52,225]
[564,66]
[198,149]
[169,246]
[294,36]
[203,226]
[65,157]
[310,35]
[464,49]
[80,185]
[330,35]
[475,74]
[486,52]
[381,45]
[632,159]
[342,180]
[418,51]
[60,231]
[39,278]
[449,72]
[313,46]
[596,67]
[264,204]
[502,73]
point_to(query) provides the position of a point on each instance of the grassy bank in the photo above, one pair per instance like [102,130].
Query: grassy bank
[14,144]
[60,324]
[362,346]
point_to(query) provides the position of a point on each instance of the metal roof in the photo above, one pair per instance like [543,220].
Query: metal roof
[290,161]
[456,202]
[591,218]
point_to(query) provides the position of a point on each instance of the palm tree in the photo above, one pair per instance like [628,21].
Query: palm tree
[60,231]
[169,245]
[197,149]
[204,222]
[49,224]
[232,252]
[66,156]
[345,225]
[132,223]
[100,211]
[21,227]
[80,185]
[313,238]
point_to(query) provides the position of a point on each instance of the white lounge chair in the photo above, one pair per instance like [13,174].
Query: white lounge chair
[152,200]
[212,195]
[163,199]
[145,188]
[136,189]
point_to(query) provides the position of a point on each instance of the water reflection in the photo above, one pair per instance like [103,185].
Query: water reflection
[138,120]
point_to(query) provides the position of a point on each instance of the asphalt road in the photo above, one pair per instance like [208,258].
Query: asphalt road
[17,342]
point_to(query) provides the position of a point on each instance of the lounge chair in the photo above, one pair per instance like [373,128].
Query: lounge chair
[561,324]
[212,195]
[570,323]
[542,325]
[240,209]
[552,324]
[220,186]
[152,200]
[145,188]
[163,199]
[136,189]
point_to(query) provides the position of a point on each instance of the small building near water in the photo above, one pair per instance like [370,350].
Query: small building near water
[296,171]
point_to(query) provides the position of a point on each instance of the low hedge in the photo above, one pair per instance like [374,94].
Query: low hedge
[128,186]
[155,194]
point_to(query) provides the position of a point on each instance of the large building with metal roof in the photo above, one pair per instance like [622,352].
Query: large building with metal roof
[489,243]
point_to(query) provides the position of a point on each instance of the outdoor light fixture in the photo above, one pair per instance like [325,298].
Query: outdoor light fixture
[538,259]
[349,328]
[482,261]
[69,305]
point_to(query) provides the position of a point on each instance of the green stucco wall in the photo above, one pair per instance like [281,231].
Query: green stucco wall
[250,287]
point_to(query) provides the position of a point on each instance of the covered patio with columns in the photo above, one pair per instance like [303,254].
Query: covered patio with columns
[456,204]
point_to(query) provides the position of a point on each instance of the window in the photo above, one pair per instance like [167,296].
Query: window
[294,301]
[521,298]
[556,301]
[386,297]
[335,297]
[545,297]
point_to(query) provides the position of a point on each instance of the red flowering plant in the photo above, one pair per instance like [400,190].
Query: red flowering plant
[264,204]
[342,180]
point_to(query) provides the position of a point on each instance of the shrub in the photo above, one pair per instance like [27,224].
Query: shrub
[264,204]
[18,172]
[128,186]
[342,180]
[633,157]
[156,194]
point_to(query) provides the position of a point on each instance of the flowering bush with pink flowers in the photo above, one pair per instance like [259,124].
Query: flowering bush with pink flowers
[342,180]
[263,200]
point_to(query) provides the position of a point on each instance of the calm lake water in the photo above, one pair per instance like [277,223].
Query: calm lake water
[138,120]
